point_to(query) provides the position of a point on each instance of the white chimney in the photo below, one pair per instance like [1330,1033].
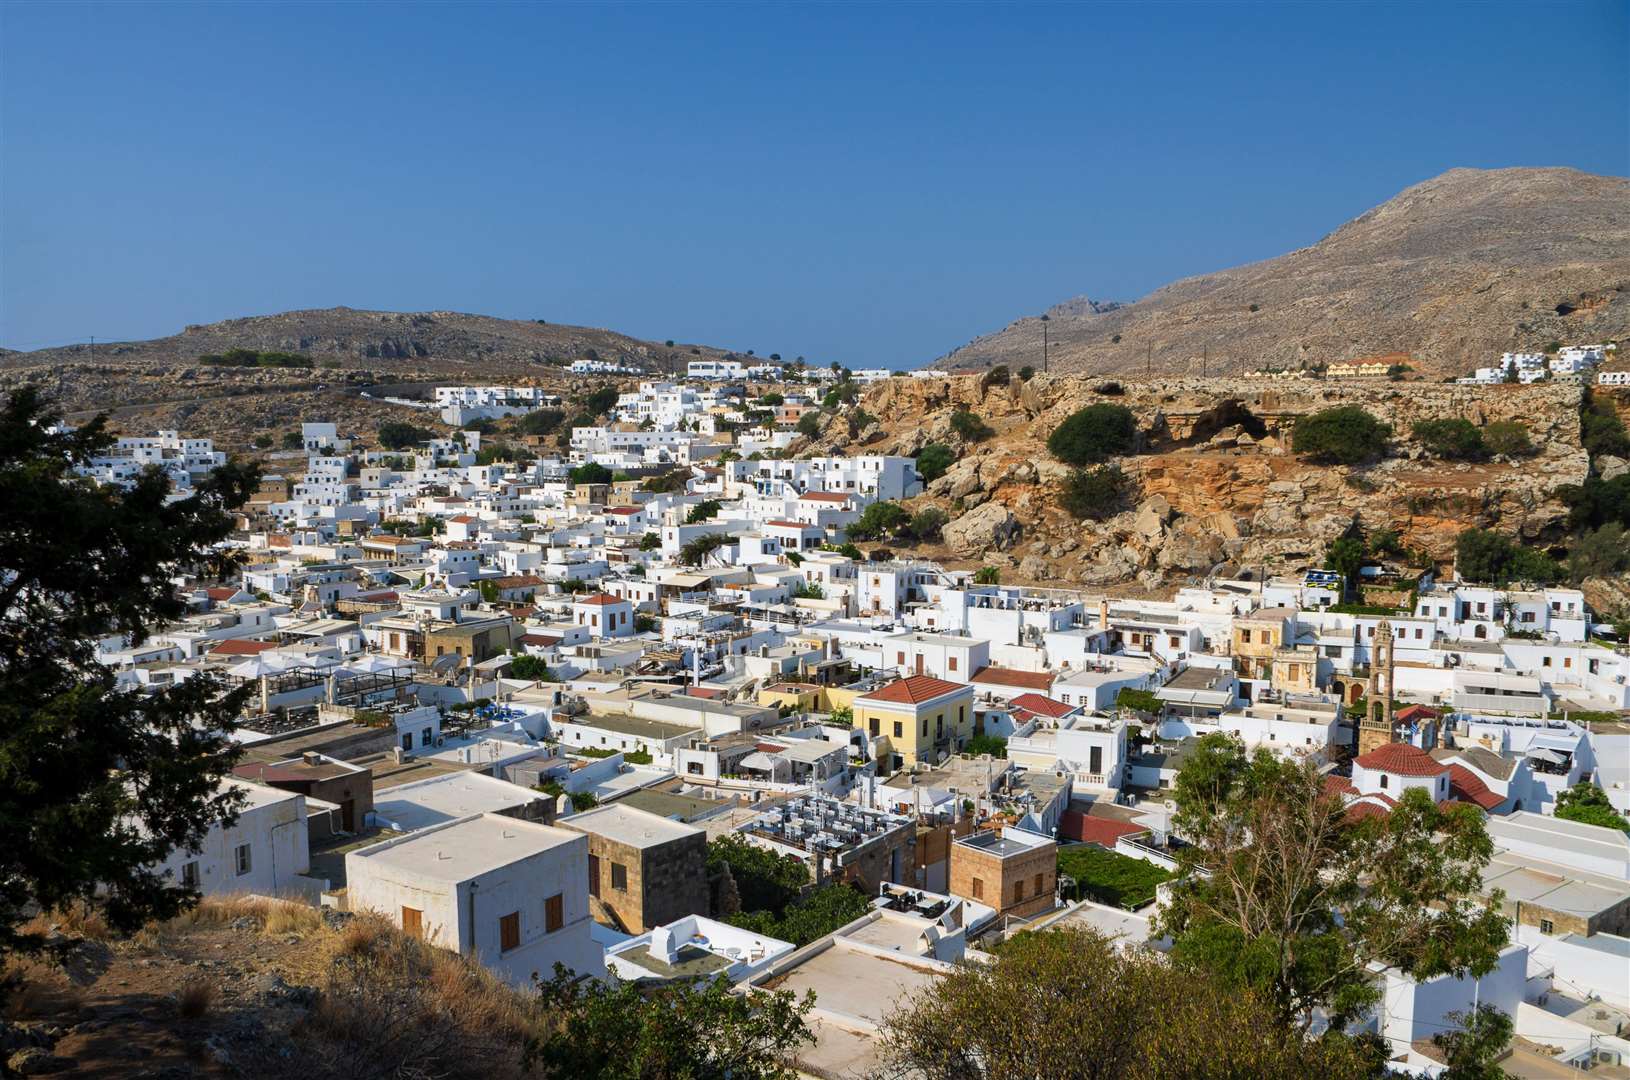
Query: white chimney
[662,945]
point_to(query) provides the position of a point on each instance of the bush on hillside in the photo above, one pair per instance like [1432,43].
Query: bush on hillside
[933,460]
[1456,439]
[399,435]
[970,428]
[1346,435]
[1095,494]
[1487,557]
[1094,434]
[1508,437]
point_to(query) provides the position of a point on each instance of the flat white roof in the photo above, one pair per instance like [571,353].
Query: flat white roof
[465,848]
[630,825]
[440,799]
[1560,835]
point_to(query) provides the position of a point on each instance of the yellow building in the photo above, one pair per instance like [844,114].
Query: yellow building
[915,719]
[1258,637]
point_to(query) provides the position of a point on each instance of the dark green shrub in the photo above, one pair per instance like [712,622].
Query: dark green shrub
[933,460]
[1508,437]
[1346,435]
[970,428]
[1094,434]
[1456,439]
[1095,494]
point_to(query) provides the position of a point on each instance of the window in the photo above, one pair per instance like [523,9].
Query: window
[950,664]
[619,877]
[900,658]
[1245,637]
[693,768]
[899,730]
[1383,779]
[1417,633]
[509,931]
[244,862]
[425,737]
[189,875]
[1546,927]
[1038,885]
[553,914]
[978,889]
[1018,890]
[1528,616]
[413,922]
[1545,661]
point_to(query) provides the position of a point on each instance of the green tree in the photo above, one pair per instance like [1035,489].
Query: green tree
[1588,804]
[994,745]
[1284,896]
[808,590]
[706,510]
[997,376]
[765,880]
[263,441]
[878,520]
[1601,432]
[1600,553]
[1488,557]
[987,575]
[1345,435]
[925,524]
[591,472]
[933,460]
[1095,494]
[772,400]
[1346,555]
[541,422]
[695,552]
[527,666]
[1508,437]
[969,427]
[601,401]
[1456,439]
[99,783]
[1094,434]
[293,440]
[1069,1003]
[809,424]
[694,1030]
[1473,1048]
[1027,373]
[805,920]
[650,541]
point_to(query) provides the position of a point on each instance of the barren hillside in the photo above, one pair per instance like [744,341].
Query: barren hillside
[1216,484]
[1453,271]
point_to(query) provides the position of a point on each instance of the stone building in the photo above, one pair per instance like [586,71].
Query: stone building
[645,871]
[1012,871]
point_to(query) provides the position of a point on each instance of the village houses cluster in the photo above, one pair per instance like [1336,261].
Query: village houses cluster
[510,707]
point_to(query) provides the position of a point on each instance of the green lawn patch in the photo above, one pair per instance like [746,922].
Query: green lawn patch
[1110,877]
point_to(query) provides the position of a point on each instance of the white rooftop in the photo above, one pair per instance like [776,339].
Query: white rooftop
[631,826]
[456,851]
[439,799]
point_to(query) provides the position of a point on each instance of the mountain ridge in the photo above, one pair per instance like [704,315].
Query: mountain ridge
[1463,265]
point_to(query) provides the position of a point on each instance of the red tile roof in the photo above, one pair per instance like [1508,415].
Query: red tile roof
[1095,830]
[1466,786]
[1041,705]
[541,640]
[825,496]
[1400,759]
[1411,713]
[624,511]
[998,676]
[600,599]
[913,690]
[241,647]
[226,593]
[1339,785]
[791,525]
[709,693]
[462,519]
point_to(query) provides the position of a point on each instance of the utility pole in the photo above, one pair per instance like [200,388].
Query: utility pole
[1205,362]
[1044,321]
[1148,360]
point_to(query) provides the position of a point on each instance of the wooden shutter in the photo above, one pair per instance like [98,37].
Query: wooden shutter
[413,922]
[554,916]
[509,931]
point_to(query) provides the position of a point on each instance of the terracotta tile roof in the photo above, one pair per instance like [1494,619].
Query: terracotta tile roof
[1041,681]
[1361,810]
[600,599]
[624,511]
[1095,830]
[913,690]
[1041,705]
[241,647]
[1400,759]
[226,593]
[462,519]
[707,693]
[542,641]
[825,496]
[1411,713]
[518,581]
[792,525]
[1467,787]
[1339,785]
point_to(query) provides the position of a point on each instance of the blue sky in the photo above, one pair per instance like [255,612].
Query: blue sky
[871,184]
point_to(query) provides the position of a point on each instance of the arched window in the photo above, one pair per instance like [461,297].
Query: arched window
[1383,779]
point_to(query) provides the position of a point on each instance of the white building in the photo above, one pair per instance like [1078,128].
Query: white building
[266,851]
[513,893]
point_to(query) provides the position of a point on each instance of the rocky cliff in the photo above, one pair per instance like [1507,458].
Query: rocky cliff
[1454,271]
[1217,483]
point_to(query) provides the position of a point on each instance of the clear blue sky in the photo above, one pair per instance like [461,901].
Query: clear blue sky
[872,184]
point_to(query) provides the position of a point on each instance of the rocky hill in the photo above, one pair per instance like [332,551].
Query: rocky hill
[383,339]
[1453,271]
[1216,486]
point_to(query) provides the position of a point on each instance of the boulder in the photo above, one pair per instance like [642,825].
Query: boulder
[1611,468]
[990,525]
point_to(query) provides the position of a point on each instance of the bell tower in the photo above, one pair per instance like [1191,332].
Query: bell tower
[1375,729]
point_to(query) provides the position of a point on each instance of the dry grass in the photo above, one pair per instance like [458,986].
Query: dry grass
[76,920]
[33,989]
[194,998]
[276,917]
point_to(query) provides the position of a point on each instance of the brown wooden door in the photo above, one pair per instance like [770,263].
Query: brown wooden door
[554,914]
[594,875]
[509,931]
[348,815]
[413,922]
